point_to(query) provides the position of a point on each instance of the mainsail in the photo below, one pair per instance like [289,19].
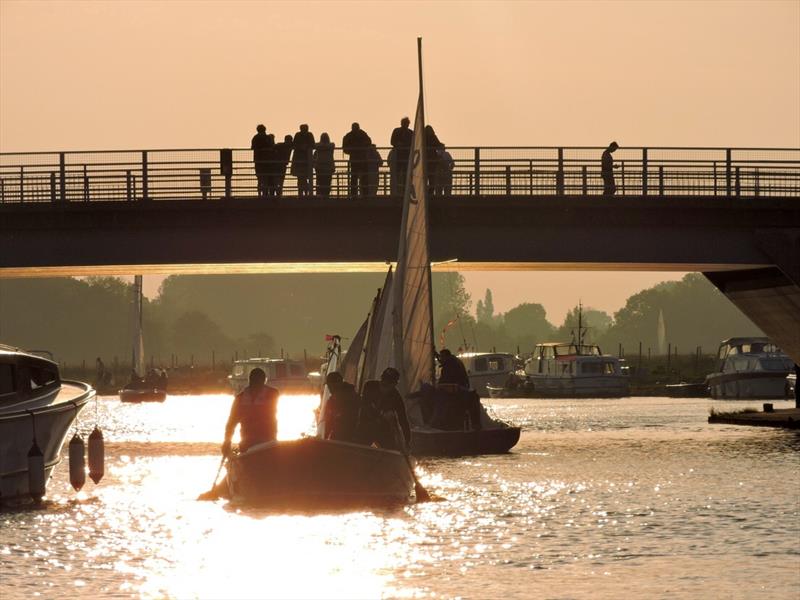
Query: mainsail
[413,310]
[352,359]
[380,346]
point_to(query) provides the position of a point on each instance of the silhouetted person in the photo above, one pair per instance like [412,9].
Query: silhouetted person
[356,145]
[453,370]
[271,157]
[301,159]
[163,380]
[254,409]
[374,163]
[283,151]
[260,145]
[402,139]
[446,172]
[607,170]
[324,164]
[341,410]
[100,373]
[383,415]
[433,150]
[394,178]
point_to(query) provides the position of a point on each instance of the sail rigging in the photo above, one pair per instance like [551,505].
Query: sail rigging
[413,310]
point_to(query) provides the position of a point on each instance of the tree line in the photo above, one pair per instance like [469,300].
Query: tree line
[238,315]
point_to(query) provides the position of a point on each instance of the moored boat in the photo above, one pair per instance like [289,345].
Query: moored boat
[314,472]
[487,369]
[35,404]
[285,375]
[750,367]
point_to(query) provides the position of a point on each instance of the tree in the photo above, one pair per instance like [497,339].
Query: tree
[484,311]
[596,322]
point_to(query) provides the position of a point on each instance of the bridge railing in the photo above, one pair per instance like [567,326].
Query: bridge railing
[190,174]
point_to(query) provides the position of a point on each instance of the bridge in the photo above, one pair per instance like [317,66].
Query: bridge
[732,213]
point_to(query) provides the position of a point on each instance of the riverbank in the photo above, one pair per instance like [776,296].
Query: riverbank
[788,418]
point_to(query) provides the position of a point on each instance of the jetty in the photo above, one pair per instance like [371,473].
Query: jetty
[788,418]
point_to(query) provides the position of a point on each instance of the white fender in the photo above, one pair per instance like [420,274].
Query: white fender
[97,455]
[77,462]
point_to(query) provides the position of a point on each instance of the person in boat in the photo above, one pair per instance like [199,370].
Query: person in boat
[151,379]
[383,419]
[163,380]
[453,370]
[341,410]
[254,410]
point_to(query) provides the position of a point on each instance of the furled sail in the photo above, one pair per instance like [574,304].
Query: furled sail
[413,311]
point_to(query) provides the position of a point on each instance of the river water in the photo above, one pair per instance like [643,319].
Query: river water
[636,498]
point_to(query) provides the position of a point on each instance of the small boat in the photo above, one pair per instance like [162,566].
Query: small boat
[313,472]
[487,369]
[687,390]
[141,388]
[750,367]
[35,404]
[283,374]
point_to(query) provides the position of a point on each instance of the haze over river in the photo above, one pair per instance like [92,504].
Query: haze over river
[636,498]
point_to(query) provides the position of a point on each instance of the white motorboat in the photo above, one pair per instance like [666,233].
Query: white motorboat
[35,405]
[288,376]
[750,367]
[487,369]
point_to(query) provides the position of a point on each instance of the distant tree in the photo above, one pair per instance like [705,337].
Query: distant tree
[596,322]
[526,325]
[195,333]
[484,311]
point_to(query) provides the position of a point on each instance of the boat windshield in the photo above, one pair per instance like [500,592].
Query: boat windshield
[572,349]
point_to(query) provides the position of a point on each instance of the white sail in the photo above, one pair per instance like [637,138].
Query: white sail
[138,341]
[380,346]
[413,318]
[352,359]
[331,365]
[661,334]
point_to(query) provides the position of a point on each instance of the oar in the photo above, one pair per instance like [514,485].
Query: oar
[212,493]
[419,490]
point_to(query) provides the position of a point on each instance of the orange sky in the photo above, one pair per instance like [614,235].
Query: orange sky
[103,75]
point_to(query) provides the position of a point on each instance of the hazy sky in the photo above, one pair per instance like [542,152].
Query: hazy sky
[108,75]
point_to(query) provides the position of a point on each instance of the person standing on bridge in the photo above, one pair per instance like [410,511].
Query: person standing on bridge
[402,138]
[356,144]
[324,165]
[607,170]
[301,159]
[260,145]
[283,151]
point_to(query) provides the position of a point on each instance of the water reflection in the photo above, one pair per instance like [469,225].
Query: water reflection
[639,498]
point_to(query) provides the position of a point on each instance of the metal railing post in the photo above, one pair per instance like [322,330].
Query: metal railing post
[2,192]
[52,187]
[508,180]
[560,173]
[585,180]
[756,183]
[530,177]
[129,185]
[715,178]
[145,178]
[660,180]
[62,174]
[226,169]
[738,183]
[477,171]
[85,184]
[728,172]
[22,183]
[644,171]
[622,169]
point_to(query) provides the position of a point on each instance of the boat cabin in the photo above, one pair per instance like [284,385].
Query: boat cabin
[24,376]
[571,360]
[490,368]
[282,373]
[744,354]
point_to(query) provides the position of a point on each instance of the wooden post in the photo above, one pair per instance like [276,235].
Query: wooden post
[669,355]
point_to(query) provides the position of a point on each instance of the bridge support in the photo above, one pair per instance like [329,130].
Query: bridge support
[770,297]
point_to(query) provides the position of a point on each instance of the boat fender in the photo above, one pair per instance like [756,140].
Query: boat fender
[77,462]
[36,482]
[97,455]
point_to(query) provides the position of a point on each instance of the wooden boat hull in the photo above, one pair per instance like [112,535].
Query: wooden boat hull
[144,395]
[312,472]
[435,442]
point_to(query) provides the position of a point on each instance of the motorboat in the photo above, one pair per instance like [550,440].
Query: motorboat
[750,367]
[285,375]
[487,369]
[142,387]
[315,472]
[35,405]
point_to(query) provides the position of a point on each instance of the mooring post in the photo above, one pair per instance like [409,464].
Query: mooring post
[62,170]
[477,171]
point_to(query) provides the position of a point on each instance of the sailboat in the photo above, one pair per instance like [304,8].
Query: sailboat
[140,389]
[399,333]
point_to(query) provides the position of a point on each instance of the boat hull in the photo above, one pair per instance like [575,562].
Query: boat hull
[144,395]
[746,386]
[53,418]
[606,386]
[435,442]
[312,472]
